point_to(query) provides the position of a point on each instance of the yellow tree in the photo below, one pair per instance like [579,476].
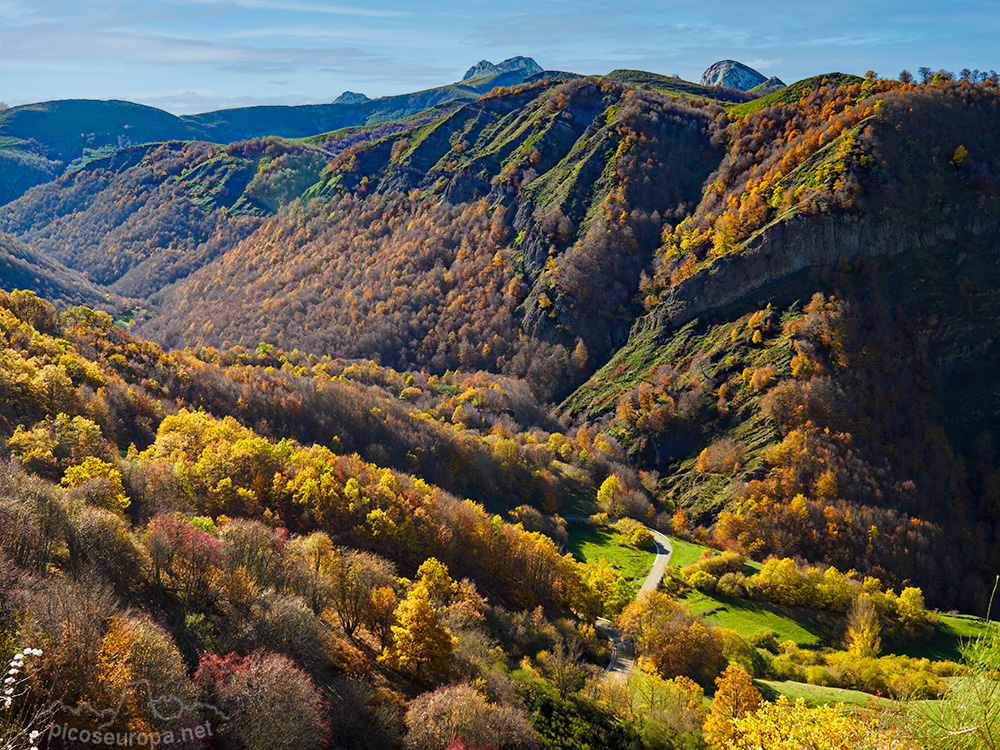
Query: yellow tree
[794,726]
[114,498]
[735,696]
[863,629]
[419,638]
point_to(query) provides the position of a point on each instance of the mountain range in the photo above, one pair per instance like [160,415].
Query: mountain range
[781,304]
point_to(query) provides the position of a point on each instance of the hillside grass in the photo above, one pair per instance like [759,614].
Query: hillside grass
[792,93]
[588,544]
[953,634]
[816,695]
[805,627]
[686,553]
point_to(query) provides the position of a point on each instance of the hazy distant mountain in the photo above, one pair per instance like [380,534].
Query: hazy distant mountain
[39,142]
[351,97]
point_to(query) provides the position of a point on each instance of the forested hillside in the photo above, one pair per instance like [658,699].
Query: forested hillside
[329,396]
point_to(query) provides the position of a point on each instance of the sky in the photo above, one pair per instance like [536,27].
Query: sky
[189,56]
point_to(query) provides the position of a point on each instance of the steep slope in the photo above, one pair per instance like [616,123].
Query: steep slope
[856,426]
[553,204]
[149,215]
[24,268]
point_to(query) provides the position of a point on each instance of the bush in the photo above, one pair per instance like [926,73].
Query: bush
[641,538]
[717,565]
[704,582]
[271,703]
[732,585]
[766,639]
[458,712]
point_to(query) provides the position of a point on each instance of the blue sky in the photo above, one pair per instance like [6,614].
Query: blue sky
[189,56]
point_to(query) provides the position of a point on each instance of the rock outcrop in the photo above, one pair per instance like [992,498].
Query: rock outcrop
[486,68]
[733,75]
[785,247]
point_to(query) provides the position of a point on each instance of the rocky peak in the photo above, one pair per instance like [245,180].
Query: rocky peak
[481,68]
[351,97]
[486,68]
[731,74]
[520,63]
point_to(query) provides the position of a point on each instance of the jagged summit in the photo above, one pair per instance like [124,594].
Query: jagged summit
[351,97]
[486,68]
[732,74]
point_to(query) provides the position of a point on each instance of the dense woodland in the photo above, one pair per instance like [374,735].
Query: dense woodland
[299,464]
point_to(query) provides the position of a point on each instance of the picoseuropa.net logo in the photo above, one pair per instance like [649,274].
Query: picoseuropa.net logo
[107,737]
[183,722]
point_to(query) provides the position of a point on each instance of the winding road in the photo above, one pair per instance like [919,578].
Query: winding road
[622,652]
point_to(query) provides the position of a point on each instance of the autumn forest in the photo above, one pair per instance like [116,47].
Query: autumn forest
[367,438]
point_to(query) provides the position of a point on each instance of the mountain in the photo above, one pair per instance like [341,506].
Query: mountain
[801,337]
[481,68]
[555,163]
[41,141]
[781,306]
[770,86]
[351,97]
[374,408]
[733,75]
[510,65]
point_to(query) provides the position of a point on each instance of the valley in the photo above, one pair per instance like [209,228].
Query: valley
[371,404]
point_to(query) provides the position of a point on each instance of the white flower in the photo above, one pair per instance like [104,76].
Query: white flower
[8,680]
[35,734]
[7,702]
[8,691]
[18,656]
[37,652]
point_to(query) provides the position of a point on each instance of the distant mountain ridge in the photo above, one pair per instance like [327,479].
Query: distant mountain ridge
[45,140]
[351,97]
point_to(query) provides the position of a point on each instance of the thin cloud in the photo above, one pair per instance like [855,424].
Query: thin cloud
[300,7]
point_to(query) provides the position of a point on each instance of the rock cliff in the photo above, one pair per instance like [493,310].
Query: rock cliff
[732,74]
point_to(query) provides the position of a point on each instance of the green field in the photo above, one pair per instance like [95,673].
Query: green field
[814,695]
[805,627]
[589,545]
[686,553]
[954,633]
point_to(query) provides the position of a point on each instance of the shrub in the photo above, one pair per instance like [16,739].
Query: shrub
[732,585]
[767,640]
[458,712]
[271,703]
[704,582]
